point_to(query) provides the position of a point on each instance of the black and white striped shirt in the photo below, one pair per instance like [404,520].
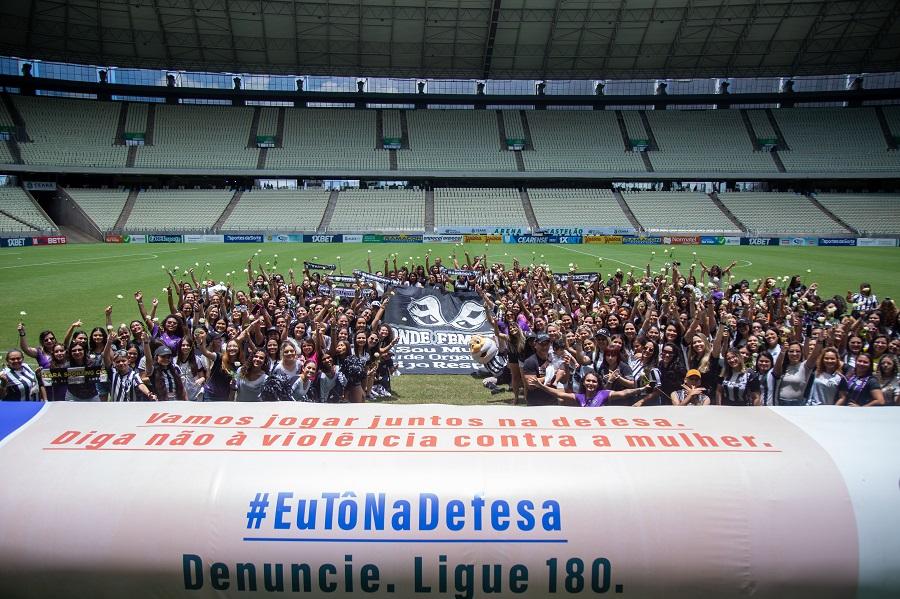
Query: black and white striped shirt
[21,384]
[124,387]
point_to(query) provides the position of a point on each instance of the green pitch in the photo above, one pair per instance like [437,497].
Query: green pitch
[54,286]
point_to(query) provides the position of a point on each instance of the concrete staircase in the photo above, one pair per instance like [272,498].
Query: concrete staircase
[232,204]
[151,125]
[889,138]
[404,131]
[126,210]
[627,209]
[379,130]
[279,128]
[734,220]
[120,126]
[529,209]
[520,162]
[13,147]
[20,221]
[623,129]
[501,131]
[16,116]
[429,210]
[329,211]
[782,142]
[831,214]
[75,235]
[254,127]
[653,146]
[751,133]
[777,160]
[526,128]
[645,156]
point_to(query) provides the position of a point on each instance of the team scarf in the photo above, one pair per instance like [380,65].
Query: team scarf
[365,276]
[315,266]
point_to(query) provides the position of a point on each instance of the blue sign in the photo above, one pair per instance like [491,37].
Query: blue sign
[712,240]
[759,241]
[164,239]
[15,242]
[566,239]
[638,240]
[840,241]
[323,238]
[243,239]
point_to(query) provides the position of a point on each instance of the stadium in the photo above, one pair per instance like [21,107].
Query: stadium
[468,219]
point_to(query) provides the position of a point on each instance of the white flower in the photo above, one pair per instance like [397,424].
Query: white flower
[123,326]
[542,256]
[369,251]
[571,265]
[120,296]
[245,270]
[207,263]
[694,253]
[340,257]
[202,320]
[165,290]
[808,270]
[163,266]
[197,264]
[109,327]
[653,253]
[403,318]
[295,259]
[23,313]
[821,319]
[276,255]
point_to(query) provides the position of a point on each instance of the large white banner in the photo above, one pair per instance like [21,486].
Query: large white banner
[178,499]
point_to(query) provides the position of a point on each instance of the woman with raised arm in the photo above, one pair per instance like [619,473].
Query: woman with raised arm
[223,367]
[42,353]
[592,396]
[795,371]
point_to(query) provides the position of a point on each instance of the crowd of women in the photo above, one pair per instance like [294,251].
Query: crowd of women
[670,337]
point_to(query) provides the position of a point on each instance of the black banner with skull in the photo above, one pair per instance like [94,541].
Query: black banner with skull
[435,330]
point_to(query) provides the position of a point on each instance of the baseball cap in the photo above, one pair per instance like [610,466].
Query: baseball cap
[602,333]
[693,372]
[162,351]
[541,338]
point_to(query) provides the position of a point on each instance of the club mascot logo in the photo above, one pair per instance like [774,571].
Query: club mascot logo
[483,349]
[426,312]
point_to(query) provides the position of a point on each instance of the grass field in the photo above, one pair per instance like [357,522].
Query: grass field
[55,286]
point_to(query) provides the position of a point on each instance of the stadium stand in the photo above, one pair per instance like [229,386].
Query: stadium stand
[268,121]
[774,213]
[892,116]
[570,140]
[385,210]
[761,125]
[582,207]
[278,210]
[5,156]
[60,139]
[16,203]
[512,123]
[828,140]
[11,225]
[5,119]
[677,212]
[392,125]
[868,213]
[454,140]
[633,125]
[721,146]
[103,206]
[177,210]
[206,137]
[465,207]
[136,118]
[330,139]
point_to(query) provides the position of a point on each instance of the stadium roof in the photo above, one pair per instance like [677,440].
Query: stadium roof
[489,39]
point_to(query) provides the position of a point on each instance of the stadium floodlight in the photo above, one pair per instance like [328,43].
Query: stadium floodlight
[599,86]
[300,83]
[361,85]
[540,87]
[479,87]
[421,85]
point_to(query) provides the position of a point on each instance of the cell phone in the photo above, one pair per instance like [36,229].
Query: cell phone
[652,385]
